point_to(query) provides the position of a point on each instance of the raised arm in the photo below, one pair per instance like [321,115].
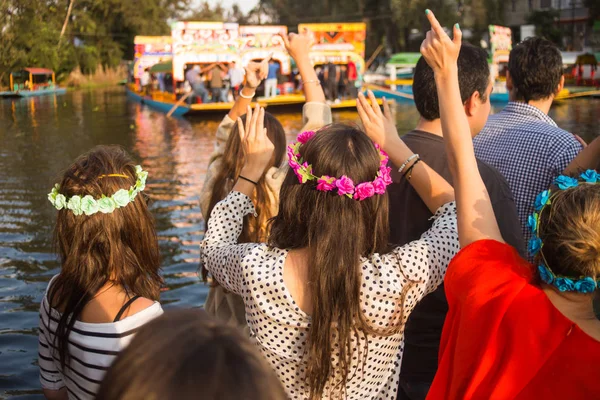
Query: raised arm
[476,219]
[298,46]
[588,158]
[255,74]
[380,127]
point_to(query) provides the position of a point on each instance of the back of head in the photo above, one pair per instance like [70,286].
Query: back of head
[570,232]
[535,68]
[337,231]
[473,76]
[113,243]
[186,355]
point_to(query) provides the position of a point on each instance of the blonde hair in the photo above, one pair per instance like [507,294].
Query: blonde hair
[570,231]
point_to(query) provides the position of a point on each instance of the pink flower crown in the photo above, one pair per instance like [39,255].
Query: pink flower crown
[343,185]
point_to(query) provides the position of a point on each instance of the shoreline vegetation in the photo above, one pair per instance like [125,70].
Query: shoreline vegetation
[102,77]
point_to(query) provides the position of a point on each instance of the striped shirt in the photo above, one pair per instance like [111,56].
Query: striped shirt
[92,349]
[527,147]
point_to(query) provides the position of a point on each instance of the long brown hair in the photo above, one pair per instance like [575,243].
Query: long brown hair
[337,231]
[232,161]
[120,247]
[186,355]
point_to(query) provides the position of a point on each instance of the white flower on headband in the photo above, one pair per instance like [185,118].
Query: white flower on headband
[88,205]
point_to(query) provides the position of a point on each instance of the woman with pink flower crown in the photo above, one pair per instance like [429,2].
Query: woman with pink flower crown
[325,298]
[228,159]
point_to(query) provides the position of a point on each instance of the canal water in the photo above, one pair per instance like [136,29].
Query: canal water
[39,137]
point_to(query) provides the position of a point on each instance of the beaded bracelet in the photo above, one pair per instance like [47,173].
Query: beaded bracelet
[407,161]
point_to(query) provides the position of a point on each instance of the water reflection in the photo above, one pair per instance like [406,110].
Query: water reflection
[41,136]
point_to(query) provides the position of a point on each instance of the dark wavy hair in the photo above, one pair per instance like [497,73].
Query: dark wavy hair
[473,76]
[338,232]
[119,248]
[186,355]
[232,161]
[535,68]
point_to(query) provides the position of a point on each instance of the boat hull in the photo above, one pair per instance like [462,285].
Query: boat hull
[33,93]
[158,105]
[406,95]
[278,103]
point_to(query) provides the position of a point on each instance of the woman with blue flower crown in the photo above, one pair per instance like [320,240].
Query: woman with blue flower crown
[514,331]
[109,281]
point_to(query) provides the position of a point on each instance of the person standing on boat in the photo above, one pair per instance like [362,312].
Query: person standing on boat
[271,82]
[331,76]
[215,76]
[236,78]
[193,76]
[352,78]
[146,81]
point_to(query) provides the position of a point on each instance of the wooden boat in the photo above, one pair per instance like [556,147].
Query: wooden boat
[405,94]
[164,102]
[33,85]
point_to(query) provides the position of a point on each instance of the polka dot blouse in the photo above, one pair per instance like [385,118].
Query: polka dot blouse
[280,329]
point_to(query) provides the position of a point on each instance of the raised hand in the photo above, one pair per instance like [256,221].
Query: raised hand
[258,148]
[440,52]
[298,45]
[380,127]
[256,72]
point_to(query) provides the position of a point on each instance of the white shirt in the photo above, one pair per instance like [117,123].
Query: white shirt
[92,349]
[279,327]
[145,79]
[236,76]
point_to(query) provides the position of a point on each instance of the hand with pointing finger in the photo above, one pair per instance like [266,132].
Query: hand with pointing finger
[298,45]
[441,52]
[256,72]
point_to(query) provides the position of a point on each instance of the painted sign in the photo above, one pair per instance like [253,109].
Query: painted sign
[338,36]
[338,43]
[258,41]
[203,42]
[500,43]
[150,50]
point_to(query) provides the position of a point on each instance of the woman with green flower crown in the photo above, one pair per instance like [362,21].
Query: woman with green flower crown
[515,331]
[109,282]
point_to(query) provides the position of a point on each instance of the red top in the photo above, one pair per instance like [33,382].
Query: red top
[352,74]
[503,338]
[39,71]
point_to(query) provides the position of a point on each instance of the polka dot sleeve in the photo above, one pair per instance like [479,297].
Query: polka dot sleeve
[219,251]
[425,260]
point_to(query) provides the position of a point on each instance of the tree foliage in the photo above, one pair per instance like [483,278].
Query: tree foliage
[399,24]
[546,25]
[99,32]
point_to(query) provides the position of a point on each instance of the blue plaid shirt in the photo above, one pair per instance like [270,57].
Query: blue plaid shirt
[527,147]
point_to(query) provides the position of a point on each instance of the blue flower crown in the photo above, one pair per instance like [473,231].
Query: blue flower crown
[583,284]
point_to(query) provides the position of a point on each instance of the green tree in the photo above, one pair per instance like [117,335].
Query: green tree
[546,25]
[98,32]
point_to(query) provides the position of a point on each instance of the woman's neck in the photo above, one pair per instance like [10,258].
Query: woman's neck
[576,307]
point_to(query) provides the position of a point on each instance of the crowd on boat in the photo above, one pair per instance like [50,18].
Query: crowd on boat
[458,261]
[221,82]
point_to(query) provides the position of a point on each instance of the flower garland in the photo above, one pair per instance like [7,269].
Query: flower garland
[344,185]
[88,205]
[583,284]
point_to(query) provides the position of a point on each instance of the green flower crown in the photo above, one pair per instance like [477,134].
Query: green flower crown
[88,205]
